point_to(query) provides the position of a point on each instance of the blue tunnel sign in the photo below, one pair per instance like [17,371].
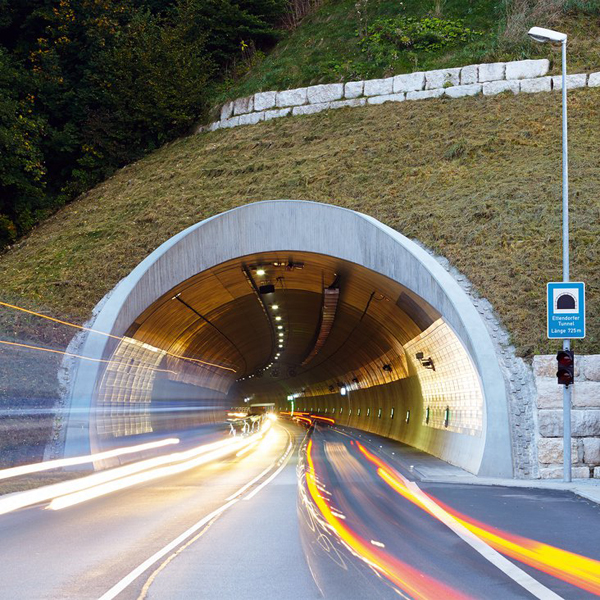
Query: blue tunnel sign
[566,310]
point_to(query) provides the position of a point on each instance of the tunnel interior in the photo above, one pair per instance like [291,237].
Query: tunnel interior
[304,331]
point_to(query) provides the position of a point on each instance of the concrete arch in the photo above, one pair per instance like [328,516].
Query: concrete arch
[320,229]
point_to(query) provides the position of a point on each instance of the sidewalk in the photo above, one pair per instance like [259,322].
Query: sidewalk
[428,468]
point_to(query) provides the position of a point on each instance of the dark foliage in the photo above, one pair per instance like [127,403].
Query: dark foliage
[87,86]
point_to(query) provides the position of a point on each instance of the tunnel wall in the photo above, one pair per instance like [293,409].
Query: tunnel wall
[289,225]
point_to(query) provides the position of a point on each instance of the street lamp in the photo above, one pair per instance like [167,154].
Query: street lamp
[540,34]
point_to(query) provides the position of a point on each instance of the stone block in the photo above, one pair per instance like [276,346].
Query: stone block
[550,451]
[551,472]
[386,98]
[584,423]
[214,126]
[241,106]
[591,451]
[317,94]
[232,122]
[527,69]
[580,472]
[573,81]
[310,109]
[544,365]
[441,77]
[276,114]
[556,472]
[586,394]
[459,91]
[549,393]
[226,110]
[597,473]
[497,87]
[492,71]
[354,89]
[591,366]
[264,100]
[379,87]
[252,118]
[537,84]
[352,102]
[410,82]
[291,97]
[469,74]
[423,95]
[594,80]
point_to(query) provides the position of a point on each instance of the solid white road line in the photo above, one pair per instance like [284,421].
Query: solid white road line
[533,586]
[268,480]
[114,591]
[129,579]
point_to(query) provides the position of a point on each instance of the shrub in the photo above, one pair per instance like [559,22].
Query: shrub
[386,38]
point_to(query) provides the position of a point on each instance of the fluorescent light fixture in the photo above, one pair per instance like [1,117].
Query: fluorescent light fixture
[278,318]
[539,34]
[260,272]
[343,391]
[275,306]
[279,326]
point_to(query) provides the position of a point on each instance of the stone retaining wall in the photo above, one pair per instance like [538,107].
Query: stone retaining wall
[523,76]
[585,420]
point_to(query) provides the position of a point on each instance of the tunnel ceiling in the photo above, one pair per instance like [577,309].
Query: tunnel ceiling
[340,322]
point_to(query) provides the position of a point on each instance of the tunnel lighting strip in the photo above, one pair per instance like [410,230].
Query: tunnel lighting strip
[80,460]
[115,337]
[412,492]
[331,297]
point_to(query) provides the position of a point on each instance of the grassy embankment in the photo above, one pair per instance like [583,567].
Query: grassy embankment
[326,47]
[476,179]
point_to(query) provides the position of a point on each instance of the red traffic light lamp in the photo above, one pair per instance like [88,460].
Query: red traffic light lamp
[566,367]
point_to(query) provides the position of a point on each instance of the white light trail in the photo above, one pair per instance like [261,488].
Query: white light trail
[80,460]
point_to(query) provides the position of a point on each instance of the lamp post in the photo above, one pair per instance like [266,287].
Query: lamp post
[542,35]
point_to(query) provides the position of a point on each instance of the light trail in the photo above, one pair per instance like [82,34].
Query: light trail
[578,570]
[80,460]
[12,502]
[100,360]
[69,324]
[126,581]
[208,453]
[405,577]
[156,473]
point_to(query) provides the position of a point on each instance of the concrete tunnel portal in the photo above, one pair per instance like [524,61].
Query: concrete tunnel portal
[286,298]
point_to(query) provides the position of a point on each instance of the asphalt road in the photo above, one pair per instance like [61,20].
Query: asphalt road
[319,519]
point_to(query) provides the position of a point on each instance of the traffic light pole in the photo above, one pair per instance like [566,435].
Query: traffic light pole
[567,391]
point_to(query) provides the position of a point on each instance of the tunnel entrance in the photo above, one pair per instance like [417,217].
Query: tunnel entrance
[305,305]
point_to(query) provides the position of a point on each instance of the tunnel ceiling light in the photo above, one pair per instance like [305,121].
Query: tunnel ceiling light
[343,391]
[260,272]
[281,345]
[279,326]
[275,307]
[278,318]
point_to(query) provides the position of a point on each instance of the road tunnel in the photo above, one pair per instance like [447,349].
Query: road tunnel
[304,305]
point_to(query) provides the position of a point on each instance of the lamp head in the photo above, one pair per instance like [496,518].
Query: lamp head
[539,34]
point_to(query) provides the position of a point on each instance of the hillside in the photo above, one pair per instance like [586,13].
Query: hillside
[476,179]
[327,46]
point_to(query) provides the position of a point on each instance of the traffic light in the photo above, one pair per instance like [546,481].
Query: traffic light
[566,367]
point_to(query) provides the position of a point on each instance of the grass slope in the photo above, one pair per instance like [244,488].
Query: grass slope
[325,48]
[476,179]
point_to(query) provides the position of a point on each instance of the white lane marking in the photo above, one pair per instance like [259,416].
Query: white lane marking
[533,586]
[114,591]
[129,579]
[251,483]
[269,479]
